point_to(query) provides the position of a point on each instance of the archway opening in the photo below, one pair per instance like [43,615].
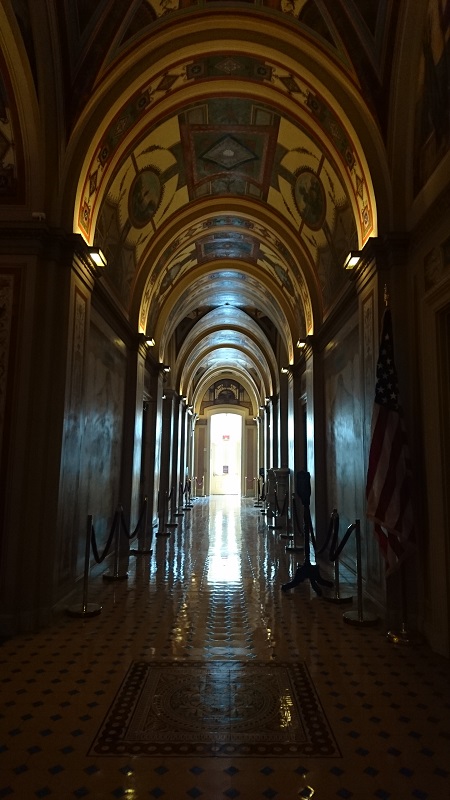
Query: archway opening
[225,453]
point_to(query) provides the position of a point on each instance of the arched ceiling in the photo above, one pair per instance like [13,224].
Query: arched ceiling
[222,154]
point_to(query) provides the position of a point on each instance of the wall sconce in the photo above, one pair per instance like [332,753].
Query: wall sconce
[352,259]
[184,399]
[98,257]
[301,343]
[149,341]
[285,370]
[164,368]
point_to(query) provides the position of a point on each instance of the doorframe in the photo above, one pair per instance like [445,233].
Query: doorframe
[225,409]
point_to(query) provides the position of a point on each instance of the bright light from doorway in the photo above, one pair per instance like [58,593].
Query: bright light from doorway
[225,453]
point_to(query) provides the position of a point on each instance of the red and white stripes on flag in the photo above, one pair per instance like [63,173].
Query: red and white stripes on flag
[388,486]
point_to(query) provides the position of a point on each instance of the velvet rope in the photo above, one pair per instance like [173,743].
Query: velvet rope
[101,558]
[335,552]
[139,522]
[333,530]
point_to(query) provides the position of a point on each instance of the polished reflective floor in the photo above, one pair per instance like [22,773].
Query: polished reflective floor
[201,678]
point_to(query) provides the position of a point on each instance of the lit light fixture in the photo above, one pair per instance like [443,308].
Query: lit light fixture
[149,341]
[184,399]
[301,343]
[352,259]
[165,368]
[285,370]
[98,257]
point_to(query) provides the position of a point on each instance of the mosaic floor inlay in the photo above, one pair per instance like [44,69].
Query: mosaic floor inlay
[223,709]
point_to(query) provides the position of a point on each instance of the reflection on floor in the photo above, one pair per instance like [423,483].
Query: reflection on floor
[207,607]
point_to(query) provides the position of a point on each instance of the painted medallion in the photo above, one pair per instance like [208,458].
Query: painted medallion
[309,196]
[144,197]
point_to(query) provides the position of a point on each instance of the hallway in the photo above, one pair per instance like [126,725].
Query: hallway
[207,605]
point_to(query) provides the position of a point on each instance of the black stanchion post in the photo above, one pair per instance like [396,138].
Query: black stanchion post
[171,499]
[358,617]
[276,513]
[87,609]
[285,514]
[180,512]
[334,555]
[145,550]
[187,491]
[116,575]
[162,518]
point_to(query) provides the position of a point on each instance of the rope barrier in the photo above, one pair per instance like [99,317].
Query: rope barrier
[101,558]
[162,507]
[87,609]
[145,549]
[118,522]
[358,617]
[332,538]
[127,533]
[173,514]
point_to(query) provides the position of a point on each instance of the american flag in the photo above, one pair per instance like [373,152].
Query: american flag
[388,487]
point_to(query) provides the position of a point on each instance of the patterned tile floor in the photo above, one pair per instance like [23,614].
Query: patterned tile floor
[211,593]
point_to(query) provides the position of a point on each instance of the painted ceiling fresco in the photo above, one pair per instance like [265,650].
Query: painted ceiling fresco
[99,34]
[220,177]
[238,148]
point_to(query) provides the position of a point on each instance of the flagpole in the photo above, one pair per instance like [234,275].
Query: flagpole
[402,636]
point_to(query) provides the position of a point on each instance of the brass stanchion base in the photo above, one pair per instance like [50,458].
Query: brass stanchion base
[355,618]
[403,637]
[89,610]
[108,577]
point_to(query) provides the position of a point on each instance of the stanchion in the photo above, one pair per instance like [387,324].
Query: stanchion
[296,547]
[162,520]
[145,550]
[335,551]
[288,534]
[307,570]
[170,500]
[116,576]
[277,514]
[358,617]
[259,491]
[87,609]
[187,491]
[264,500]
[179,511]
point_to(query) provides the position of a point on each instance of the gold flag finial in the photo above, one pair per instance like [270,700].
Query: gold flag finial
[386,296]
